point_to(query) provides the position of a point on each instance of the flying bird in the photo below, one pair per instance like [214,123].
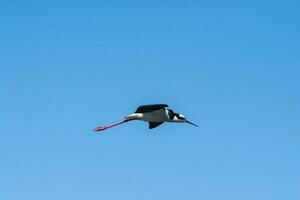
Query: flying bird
[154,114]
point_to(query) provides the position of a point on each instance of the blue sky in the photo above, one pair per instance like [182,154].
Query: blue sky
[68,66]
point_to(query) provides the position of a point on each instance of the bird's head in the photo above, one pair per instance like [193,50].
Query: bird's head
[182,118]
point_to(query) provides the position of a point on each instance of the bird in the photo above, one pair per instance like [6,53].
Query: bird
[154,114]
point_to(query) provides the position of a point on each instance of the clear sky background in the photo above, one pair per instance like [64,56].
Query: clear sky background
[230,66]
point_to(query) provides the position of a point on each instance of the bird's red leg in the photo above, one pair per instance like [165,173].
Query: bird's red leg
[102,128]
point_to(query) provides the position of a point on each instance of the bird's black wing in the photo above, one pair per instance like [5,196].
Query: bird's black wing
[150,108]
[154,124]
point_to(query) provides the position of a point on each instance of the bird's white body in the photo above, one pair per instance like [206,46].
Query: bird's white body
[156,116]
[161,115]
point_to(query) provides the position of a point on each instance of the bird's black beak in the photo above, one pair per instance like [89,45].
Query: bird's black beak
[191,123]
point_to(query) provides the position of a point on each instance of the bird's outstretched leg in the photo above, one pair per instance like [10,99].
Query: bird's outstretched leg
[102,128]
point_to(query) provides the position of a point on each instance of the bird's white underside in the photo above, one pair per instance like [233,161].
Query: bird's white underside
[154,116]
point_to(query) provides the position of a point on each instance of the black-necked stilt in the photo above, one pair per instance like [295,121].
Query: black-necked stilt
[154,114]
